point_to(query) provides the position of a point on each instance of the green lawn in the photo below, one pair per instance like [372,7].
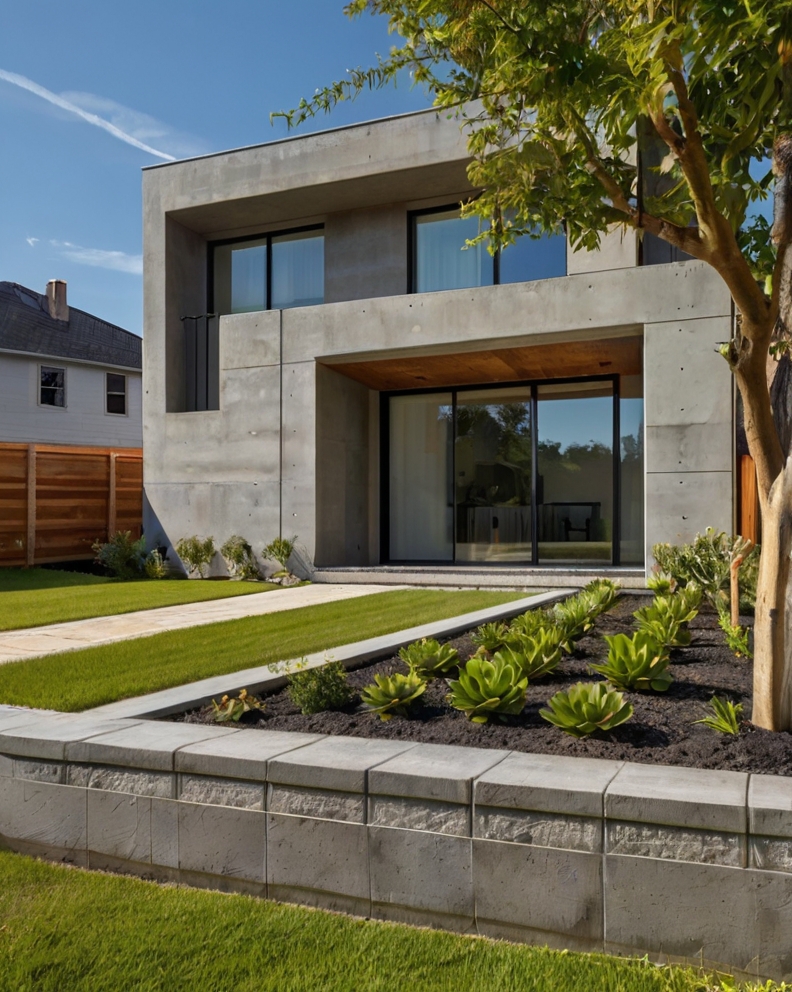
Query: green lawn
[78,680]
[63,928]
[31,597]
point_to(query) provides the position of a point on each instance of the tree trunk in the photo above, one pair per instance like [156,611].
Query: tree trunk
[772,704]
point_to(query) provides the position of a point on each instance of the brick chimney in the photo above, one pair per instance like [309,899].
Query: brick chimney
[56,299]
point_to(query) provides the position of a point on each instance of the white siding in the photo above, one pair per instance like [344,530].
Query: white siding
[82,422]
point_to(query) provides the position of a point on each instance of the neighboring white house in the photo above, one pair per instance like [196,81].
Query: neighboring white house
[66,377]
[324,359]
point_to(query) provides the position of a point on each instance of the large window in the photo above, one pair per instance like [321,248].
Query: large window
[271,272]
[52,386]
[441,260]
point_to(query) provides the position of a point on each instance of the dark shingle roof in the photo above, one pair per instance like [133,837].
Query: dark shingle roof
[26,326]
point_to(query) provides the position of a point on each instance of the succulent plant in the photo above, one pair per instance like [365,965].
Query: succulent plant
[393,695]
[662,627]
[428,658]
[233,708]
[661,583]
[585,707]
[491,636]
[488,688]
[638,662]
[573,618]
[527,624]
[600,595]
[535,655]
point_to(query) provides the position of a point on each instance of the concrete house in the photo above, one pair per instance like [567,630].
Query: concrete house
[324,359]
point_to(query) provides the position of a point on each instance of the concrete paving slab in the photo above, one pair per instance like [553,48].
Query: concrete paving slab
[46,735]
[334,763]
[433,771]
[243,756]
[149,744]
[19,645]
[770,805]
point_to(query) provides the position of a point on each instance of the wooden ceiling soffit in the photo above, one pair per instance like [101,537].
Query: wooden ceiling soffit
[570,359]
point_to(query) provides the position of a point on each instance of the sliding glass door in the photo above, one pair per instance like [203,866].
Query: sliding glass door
[526,473]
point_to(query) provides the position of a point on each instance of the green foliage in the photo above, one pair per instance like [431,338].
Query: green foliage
[664,620]
[121,556]
[154,566]
[636,662]
[534,656]
[196,554]
[489,688]
[231,709]
[661,583]
[585,707]
[280,550]
[531,622]
[707,562]
[239,558]
[429,659]
[725,717]
[491,636]
[393,695]
[736,636]
[574,619]
[600,595]
[314,690]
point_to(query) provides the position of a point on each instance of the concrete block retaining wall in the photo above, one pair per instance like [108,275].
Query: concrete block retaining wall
[680,864]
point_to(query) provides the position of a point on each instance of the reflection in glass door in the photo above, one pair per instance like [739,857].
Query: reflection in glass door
[574,490]
[492,471]
[421,499]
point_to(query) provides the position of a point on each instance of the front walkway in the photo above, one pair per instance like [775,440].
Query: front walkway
[19,645]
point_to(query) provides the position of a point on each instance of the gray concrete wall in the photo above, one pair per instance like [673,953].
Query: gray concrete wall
[675,863]
[366,253]
[83,420]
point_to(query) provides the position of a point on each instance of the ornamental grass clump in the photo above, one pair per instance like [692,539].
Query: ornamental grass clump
[586,707]
[393,695]
[638,662]
[428,659]
[725,716]
[489,688]
[233,708]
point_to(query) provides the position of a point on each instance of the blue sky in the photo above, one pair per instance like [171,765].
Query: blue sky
[184,78]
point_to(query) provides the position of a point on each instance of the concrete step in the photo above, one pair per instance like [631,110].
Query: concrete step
[480,577]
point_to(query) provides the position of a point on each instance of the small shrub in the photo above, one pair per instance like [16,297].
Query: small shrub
[239,558]
[280,550]
[429,659]
[393,695]
[534,656]
[154,566]
[585,707]
[314,690]
[707,562]
[196,554]
[636,662]
[121,556]
[725,717]
[488,688]
[736,636]
[233,708]
[491,636]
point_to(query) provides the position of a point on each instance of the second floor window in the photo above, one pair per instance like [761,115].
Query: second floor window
[272,272]
[52,391]
[441,260]
[116,393]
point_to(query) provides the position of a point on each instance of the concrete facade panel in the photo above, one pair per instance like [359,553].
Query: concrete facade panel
[679,506]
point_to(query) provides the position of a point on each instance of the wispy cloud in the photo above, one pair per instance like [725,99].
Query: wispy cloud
[72,107]
[32,241]
[119,261]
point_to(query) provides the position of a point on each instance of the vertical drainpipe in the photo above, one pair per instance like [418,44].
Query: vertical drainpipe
[280,424]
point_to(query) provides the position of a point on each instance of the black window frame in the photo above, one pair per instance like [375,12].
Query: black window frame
[533,385]
[262,236]
[412,254]
[114,392]
[51,368]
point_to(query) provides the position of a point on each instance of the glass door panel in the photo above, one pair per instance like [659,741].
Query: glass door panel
[575,473]
[421,497]
[493,461]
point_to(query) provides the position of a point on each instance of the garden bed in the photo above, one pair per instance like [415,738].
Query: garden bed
[661,730]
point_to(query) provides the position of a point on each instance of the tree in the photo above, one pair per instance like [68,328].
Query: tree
[561,99]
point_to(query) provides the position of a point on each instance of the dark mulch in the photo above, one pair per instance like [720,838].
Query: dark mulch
[661,730]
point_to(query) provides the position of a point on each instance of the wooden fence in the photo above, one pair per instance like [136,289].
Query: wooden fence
[56,500]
